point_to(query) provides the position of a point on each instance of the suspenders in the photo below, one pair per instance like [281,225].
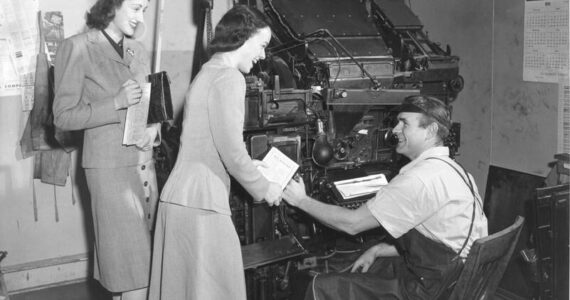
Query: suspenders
[472,189]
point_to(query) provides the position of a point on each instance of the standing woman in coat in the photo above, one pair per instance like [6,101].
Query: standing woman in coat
[197,253]
[97,76]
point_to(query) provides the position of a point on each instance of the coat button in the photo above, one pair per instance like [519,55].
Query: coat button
[145,183]
[143,167]
[147,199]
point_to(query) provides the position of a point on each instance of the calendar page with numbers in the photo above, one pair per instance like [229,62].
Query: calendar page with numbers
[545,40]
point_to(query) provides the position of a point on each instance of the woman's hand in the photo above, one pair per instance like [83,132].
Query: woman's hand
[147,141]
[259,163]
[274,194]
[129,94]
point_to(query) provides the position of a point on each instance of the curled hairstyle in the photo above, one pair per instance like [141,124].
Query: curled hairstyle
[236,26]
[432,109]
[102,13]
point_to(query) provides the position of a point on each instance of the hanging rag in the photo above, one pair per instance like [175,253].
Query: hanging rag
[40,135]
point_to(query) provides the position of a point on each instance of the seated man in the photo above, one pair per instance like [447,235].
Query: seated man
[432,209]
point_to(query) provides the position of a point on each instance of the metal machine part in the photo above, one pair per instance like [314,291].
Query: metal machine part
[325,96]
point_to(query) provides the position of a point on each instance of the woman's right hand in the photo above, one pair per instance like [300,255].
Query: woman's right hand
[274,194]
[129,94]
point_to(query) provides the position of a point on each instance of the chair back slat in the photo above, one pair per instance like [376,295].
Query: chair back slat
[486,264]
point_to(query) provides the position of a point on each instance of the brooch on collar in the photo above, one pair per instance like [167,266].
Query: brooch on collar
[131,52]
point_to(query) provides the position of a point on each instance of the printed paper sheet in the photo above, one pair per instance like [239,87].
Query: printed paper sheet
[545,40]
[137,115]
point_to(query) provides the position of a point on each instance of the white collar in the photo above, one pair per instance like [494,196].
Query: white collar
[431,152]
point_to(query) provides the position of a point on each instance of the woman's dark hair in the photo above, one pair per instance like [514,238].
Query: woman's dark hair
[102,13]
[236,27]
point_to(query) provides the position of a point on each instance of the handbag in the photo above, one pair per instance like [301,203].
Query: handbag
[160,106]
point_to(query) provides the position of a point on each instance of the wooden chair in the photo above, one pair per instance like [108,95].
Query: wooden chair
[486,264]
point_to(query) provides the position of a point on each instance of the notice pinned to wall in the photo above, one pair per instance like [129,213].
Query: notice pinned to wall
[564,115]
[545,40]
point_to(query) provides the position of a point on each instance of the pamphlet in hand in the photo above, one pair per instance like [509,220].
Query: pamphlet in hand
[137,114]
[280,168]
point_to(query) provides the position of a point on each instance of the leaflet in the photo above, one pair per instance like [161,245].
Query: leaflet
[137,115]
[280,168]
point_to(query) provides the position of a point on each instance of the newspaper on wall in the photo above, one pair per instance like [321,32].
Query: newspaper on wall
[20,42]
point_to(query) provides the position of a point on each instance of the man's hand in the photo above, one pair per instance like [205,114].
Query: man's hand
[295,192]
[129,94]
[366,260]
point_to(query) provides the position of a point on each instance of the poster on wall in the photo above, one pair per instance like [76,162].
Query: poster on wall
[52,29]
[545,40]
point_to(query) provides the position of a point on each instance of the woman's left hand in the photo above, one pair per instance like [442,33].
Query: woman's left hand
[259,163]
[274,194]
[147,141]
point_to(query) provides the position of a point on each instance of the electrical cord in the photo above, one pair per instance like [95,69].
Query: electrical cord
[287,228]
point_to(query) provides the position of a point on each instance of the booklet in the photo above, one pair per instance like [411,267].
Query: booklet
[137,115]
[280,168]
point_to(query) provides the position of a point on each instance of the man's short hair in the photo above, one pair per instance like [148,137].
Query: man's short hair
[433,110]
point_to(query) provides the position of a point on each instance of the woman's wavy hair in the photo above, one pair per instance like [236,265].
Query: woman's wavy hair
[236,26]
[102,13]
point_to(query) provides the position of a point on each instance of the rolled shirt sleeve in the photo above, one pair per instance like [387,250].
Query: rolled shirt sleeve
[402,205]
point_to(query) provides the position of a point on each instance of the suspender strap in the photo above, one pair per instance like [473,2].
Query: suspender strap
[472,189]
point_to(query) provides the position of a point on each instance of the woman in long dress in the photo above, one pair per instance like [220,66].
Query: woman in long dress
[97,77]
[197,254]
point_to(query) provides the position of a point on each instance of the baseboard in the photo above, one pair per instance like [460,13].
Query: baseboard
[46,273]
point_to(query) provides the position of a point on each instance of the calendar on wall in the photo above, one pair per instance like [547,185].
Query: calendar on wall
[545,40]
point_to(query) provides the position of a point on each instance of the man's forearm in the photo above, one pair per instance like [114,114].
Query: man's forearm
[339,218]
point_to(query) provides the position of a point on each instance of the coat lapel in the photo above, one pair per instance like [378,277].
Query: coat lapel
[102,46]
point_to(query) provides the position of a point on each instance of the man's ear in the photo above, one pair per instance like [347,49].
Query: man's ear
[432,130]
